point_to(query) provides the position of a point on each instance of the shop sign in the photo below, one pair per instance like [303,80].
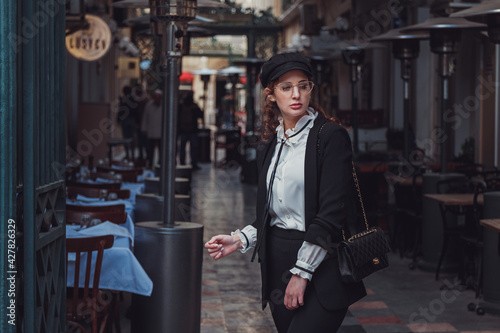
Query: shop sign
[92,43]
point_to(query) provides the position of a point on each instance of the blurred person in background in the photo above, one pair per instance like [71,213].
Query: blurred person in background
[151,125]
[187,129]
[142,100]
[127,118]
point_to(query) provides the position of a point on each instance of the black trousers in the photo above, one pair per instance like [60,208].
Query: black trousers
[152,144]
[282,248]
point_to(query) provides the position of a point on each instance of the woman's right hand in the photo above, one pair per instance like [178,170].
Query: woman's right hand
[223,245]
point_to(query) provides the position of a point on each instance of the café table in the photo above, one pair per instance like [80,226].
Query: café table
[134,188]
[403,180]
[121,271]
[491,250]
[455,199]
[493,224]
[462,200]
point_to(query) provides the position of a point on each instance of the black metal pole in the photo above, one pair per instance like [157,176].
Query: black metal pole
[319,78]
[444,103]
[405,75]
[250,102]
[169,128]
[234,80]
[406,118]
[354,118]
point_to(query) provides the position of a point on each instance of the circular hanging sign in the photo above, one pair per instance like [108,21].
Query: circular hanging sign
[92,43]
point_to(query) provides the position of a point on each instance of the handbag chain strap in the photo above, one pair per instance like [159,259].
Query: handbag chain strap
[356,182]
[355,176]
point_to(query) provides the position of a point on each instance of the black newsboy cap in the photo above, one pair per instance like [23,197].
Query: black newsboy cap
[281,63]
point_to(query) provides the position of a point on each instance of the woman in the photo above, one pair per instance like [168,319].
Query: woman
[304,201]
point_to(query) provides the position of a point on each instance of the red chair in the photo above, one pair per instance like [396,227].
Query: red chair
[116,185]
[110,208]
[128,175]
[87,303]
[94,192]
[75,216]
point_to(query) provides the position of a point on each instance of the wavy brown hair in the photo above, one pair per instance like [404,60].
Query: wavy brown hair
[271,112]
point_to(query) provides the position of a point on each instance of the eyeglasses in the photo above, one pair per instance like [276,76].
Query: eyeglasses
[286,88]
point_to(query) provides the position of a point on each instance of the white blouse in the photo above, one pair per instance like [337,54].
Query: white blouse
[287,208]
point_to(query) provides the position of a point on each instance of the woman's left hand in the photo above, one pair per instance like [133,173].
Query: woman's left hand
[294,294]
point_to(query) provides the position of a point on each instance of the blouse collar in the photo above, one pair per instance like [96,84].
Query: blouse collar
[309,117]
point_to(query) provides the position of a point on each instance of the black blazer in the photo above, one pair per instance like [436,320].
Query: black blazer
[328,199]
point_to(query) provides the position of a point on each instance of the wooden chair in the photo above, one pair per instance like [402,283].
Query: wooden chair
[107,186]
[75,216]
[110,208]
[128,175]
[475,169]
[454,230]
[408,217]
[104,175]
[229,141]
[84,304]
[90,192]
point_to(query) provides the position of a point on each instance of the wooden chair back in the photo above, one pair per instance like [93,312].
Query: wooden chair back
[79,305]
[110,208]
[91,192]
[115,185]
[75,216]
[104,175]
[128,175]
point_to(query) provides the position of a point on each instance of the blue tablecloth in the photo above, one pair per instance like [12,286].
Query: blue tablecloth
[123,237]
[120,269]
[135,188]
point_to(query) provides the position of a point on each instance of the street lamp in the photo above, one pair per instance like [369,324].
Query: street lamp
[489,12]
[405,47]
[445,35]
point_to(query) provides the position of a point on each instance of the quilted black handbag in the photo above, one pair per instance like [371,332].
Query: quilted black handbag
[364,253]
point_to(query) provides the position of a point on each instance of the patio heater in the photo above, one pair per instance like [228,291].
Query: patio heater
[250,140]
[488,12]
[405,47]
[233,74]
[204,134]
[353,56]
[445,34]
[319,63]
[205,74]
[169,251]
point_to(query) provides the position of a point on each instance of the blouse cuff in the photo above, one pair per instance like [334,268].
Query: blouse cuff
[303,274]
[309,258]
[248,237]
